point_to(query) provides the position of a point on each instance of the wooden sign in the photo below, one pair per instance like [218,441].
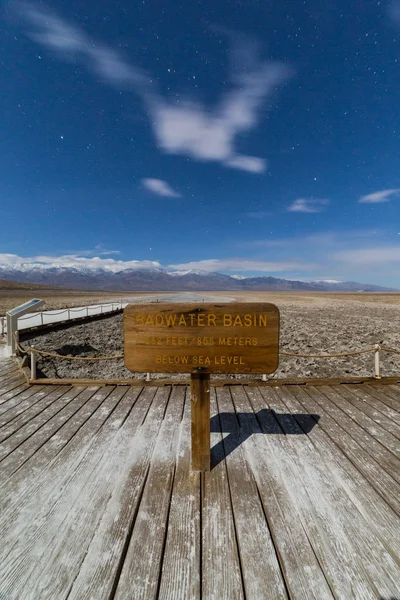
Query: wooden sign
[201,339]
[218,338]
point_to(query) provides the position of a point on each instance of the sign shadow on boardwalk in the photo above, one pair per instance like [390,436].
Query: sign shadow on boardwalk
[241,426]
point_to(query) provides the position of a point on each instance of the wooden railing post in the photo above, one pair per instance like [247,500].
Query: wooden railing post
[200,407]
[377,363]
[33,364]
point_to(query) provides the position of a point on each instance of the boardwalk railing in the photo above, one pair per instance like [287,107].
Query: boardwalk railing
[48,317]
[35,351]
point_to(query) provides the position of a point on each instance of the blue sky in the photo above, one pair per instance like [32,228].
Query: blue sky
[240,137]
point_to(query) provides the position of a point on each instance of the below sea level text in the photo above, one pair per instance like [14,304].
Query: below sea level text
[166,359]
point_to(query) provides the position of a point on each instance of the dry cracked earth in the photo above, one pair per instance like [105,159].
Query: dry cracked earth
[309,324]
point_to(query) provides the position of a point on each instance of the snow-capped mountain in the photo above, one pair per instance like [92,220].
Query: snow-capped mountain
[157,279]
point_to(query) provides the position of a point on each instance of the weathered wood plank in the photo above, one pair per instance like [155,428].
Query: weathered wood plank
[366,464]
[262,577]
[378,516]
[393,391]
[39,429]
[221,574]
[377,398]
[95,531]
[14,392]
[58,514]
[331,401]
[12,382]
[181,569]
[359,400]
[23,425]
[34,455]
[347,549]
[141,570]
[16,397]
[8,371]
[280,492]
[76,448]
[379,433]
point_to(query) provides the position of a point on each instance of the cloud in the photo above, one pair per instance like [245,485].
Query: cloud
[305,205]
[73,43]
[73,260]
[160,187]
[247,163]
[184,126]
[192,129]
[367,257]
[378,197]
[241,264]
[110,264]
[98,250]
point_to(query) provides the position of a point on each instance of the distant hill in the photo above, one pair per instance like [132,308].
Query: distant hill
[6,284]
[35,276]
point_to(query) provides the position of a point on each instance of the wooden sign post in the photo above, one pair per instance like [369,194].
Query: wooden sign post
[201,339]
[200,409]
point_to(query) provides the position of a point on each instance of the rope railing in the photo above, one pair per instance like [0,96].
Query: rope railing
[118,356]
[32,350]
[79,309]
[341,354]
[389,350]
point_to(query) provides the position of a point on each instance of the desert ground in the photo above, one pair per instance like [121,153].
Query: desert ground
[310,323]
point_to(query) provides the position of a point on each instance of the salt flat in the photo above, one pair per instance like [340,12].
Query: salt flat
[310,323]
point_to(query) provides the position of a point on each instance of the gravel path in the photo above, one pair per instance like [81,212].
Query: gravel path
[320,325]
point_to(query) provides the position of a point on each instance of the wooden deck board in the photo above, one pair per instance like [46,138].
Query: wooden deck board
[181,568]
[378,400]
[352,556]
[220,563]
[15,397]
[359,399]
[278,488]
[97,499]
[23,425]
[252,531]
[330,400]
[151,522]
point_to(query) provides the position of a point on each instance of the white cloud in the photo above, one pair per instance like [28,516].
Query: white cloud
[98,250]
[73,260]
[192,129]
[241,264]
[72,42]
[110,264]
[371,257]
[247,163]
[185,126]
[160,187]
[306,205]
[378,197]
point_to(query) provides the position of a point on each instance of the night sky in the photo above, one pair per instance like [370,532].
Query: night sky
[246,137]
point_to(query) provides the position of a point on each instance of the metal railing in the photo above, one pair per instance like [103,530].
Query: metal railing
[40,318]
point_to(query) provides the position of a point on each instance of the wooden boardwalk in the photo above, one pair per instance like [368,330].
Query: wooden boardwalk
[97,500]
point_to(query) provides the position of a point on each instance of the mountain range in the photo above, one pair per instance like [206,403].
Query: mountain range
[160,280]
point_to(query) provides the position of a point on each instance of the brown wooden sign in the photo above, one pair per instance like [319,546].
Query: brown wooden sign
[216,338]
